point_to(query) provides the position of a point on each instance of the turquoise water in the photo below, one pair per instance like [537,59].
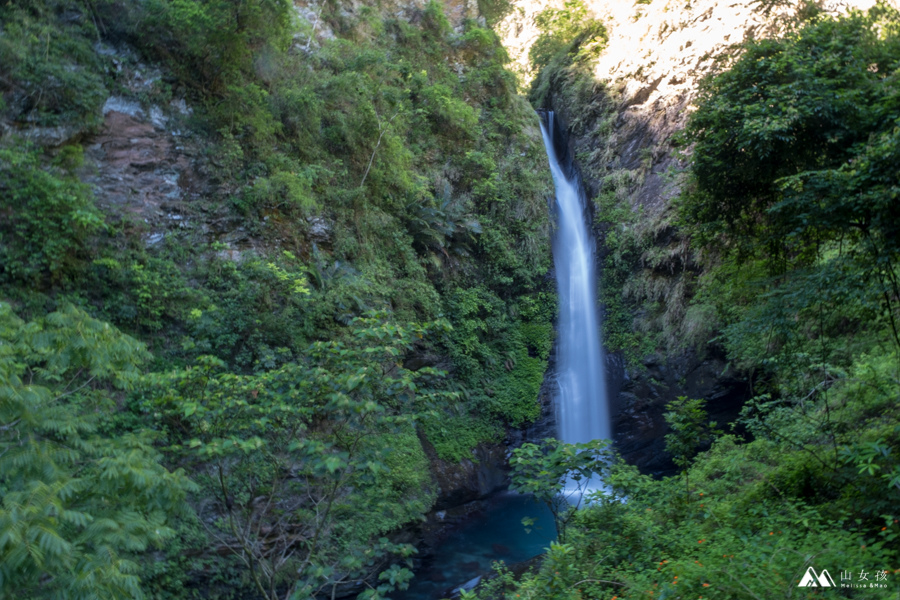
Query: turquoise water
[495,535]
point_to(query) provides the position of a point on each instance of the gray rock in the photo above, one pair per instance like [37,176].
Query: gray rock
[50,137]
[320,230]
[125,106]
[467,586]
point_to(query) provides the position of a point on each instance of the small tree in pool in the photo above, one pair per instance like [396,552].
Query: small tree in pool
[688,421]
[543,470]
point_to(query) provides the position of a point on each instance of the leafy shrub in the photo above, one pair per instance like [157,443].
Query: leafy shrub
[805,195]
[365,135]
[257,314]
[568,36]
[780,144]
[330,436]
[49,217]
[402,493]
[515,393]
[454,437]
[49,71]
[77,506]
[211,44]
[144,294]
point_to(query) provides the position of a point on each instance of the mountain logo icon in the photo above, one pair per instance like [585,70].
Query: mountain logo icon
[810,579]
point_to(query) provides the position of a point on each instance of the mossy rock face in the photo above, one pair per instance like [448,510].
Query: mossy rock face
[250,194]
[722,279]
[483,471]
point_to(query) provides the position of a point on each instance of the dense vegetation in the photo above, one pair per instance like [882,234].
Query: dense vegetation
[208,416]
[255,417]
[791,208]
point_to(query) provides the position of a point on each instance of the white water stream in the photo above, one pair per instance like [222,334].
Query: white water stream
[582,407]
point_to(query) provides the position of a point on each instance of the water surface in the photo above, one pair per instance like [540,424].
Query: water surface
[495,535]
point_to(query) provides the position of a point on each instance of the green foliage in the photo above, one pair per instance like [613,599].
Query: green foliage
[515,392]
[454,437]
[142,294]
[502,373]
[212,43]
[402,493]
[447,113]
[744,533]
[494,10]
[569,38]
[559,474]
[49,71]
[538,338]
[688,421]
[256,314]
[791,166]
[77,505]
[287,192]
[791,112]
[48,216]
[475,312]
[321,450]
[395,165]
[510,364]
[560,28]
[625,244]
[439,231]
[690,429]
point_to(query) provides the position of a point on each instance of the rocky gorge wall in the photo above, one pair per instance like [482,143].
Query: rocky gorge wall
[624,108]
[175,192]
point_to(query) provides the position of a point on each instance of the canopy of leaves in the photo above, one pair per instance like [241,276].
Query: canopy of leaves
[369,160]
[792,143]
[688,421]
[794,164]
[48,215]
[78,506]
[303,460]
[794,220]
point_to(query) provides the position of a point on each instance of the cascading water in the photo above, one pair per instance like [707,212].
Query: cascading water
[582,409]
[582,406]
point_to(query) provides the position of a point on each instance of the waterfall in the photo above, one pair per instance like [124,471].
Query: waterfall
[582,408]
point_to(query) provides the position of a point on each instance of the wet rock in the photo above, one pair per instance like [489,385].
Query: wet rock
[470,479]
[641,402]
[50,137]
[124,106]
[320,230]
[420,361]
[233,254]
[154,238]
[139,170]
[467,586]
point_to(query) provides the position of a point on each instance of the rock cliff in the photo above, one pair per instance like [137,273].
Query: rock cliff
[623,108]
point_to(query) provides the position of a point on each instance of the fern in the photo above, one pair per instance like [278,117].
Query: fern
[75,504]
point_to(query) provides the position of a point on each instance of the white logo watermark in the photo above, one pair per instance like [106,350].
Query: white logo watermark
[824,579]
